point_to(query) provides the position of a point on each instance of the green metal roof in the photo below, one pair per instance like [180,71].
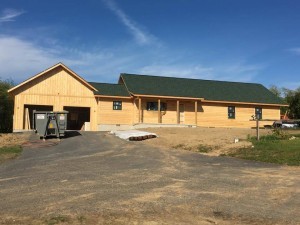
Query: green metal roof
[195,88]
[110,89]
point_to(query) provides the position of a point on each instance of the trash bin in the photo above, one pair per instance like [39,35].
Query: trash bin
[47,123]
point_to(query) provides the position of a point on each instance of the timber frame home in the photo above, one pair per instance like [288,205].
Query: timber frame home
[138,101]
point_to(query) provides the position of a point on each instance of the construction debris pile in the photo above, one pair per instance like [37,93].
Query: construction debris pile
[134,135]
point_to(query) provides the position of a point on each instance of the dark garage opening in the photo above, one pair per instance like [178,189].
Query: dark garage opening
[77,116]
[28,114]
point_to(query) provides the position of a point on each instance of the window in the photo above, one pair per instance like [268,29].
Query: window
[231,112]
[117,105]
[153,106]
[258,113]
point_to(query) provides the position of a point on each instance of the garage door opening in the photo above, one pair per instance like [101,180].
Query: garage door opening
[28,114]
[77,117]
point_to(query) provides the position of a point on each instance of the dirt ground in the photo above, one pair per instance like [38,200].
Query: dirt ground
[13,138]
[216,141]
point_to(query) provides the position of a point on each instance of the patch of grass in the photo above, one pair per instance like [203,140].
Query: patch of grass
[9,152]
[204,148]
[178,146]
[182,146]
[58,219]
[273,148]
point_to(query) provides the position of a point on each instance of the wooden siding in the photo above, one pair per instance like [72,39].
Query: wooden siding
[208,114]
[56,88]
[106,114]
[216,115]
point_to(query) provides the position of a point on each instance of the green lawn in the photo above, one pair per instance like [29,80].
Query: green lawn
[9,152]
[272,149]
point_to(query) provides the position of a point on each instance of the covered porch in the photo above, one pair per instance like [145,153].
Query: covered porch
[152,110]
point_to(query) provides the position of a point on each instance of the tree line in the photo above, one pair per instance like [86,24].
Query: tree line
[6,107]
[291,97]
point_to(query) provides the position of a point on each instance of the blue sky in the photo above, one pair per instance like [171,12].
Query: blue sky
[236,40]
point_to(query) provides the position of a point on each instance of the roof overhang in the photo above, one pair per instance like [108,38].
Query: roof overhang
[52,68]
[112,96]
[204,100]
[244,103]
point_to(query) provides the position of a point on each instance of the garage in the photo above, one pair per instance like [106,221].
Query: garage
[78,118]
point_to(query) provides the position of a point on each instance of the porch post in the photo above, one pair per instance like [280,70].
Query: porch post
[196,112]
[140,110]
[177,113]
[158,110]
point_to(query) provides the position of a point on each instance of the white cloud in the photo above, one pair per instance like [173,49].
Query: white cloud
[294,50]
[20,59]
[141,36]
[8,15]
[238,71]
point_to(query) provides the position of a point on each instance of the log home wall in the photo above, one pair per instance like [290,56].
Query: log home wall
[208,114]
[216,115]
[56,88]
[106,114]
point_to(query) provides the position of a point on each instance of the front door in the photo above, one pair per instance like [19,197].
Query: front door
[181,113]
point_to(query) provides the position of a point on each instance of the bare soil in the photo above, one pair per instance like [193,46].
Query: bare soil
[12,139]
[216,141]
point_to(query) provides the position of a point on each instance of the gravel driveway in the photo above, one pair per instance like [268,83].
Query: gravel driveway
[96,178]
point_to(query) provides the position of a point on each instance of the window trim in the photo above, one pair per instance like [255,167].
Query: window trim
[229,111]
[117,105]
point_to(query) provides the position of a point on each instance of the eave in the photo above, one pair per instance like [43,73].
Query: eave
[167,97]
[113,96]
[244,103]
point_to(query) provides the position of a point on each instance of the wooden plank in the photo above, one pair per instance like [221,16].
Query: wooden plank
[177,112]
[158,111]
[196,112]
[27,120]
[140,110]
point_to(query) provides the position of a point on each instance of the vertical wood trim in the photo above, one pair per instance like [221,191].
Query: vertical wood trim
[140,110]
[27,120]
[158,110]
[196,112]
[177,112]
[257,129]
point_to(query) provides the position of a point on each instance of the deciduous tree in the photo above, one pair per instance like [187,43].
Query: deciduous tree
[6,107]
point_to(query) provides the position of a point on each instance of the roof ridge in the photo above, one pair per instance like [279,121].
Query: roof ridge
[185,78]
